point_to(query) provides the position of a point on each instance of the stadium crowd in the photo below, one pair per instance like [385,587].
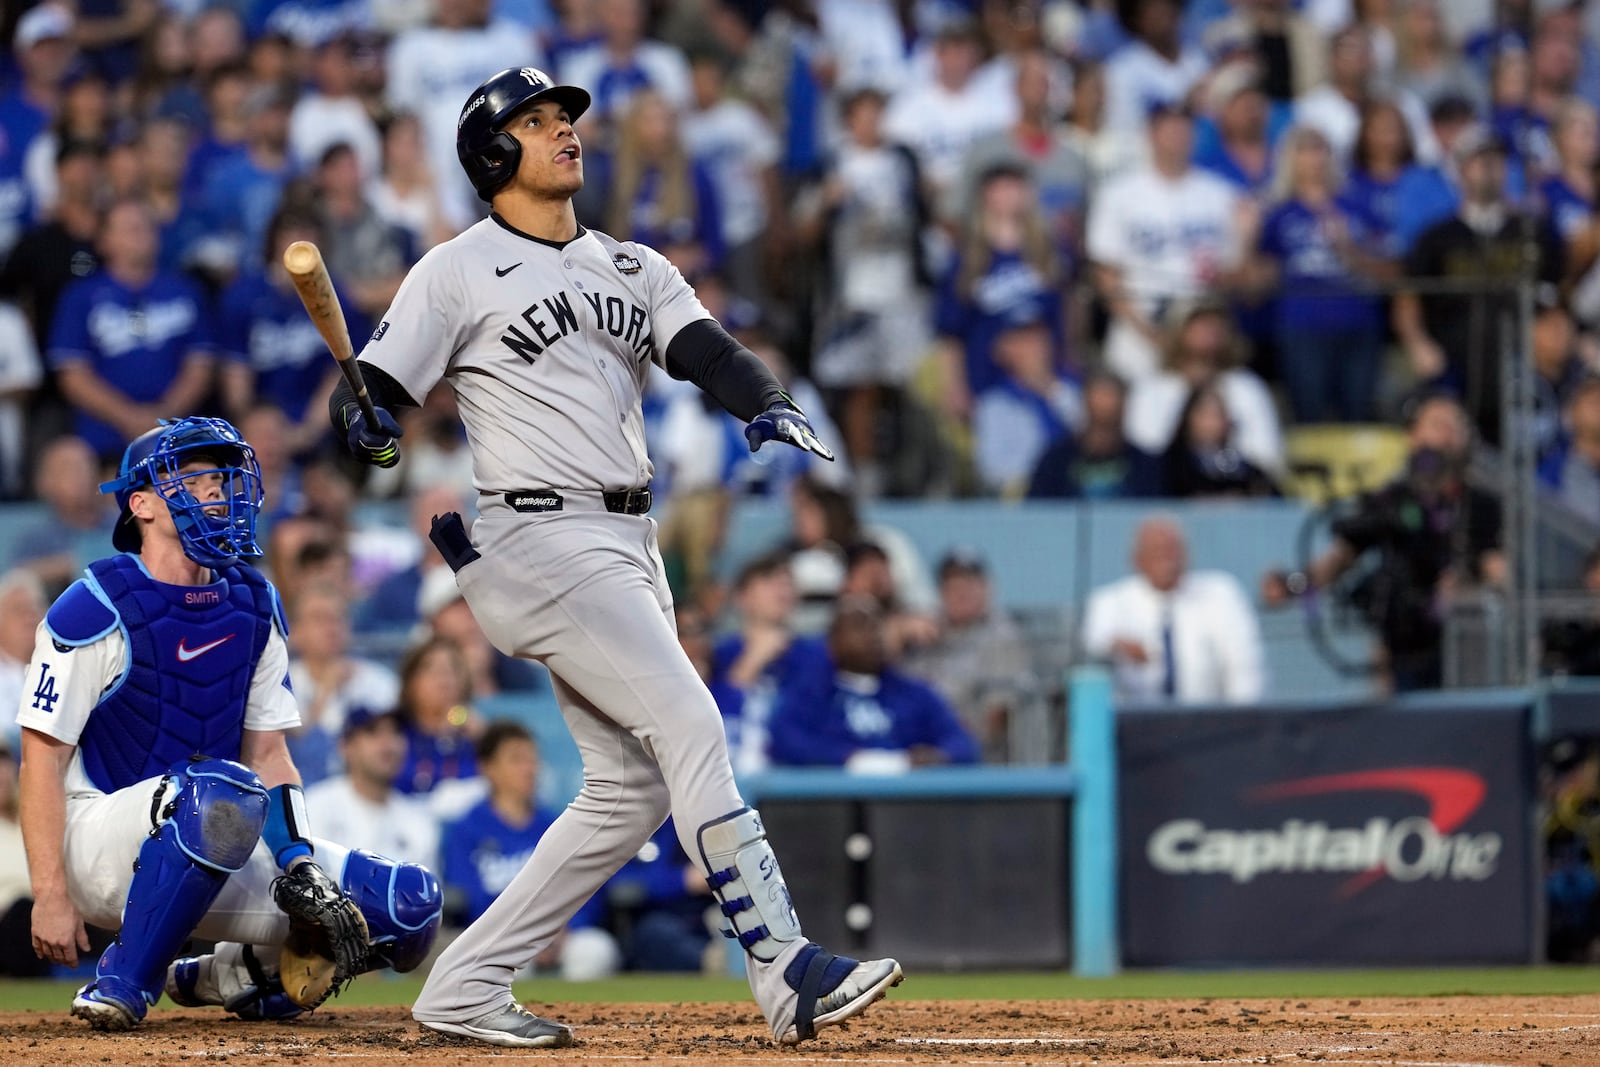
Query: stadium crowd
[997,249]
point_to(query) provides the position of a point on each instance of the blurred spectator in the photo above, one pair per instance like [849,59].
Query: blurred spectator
[747,739]
[869,571]
[1155,68]
[1573,470]
[392,604]
[161,83]
[440,726]
[1165,232]
[1558,371]
[271,350]
[1571,646]
[1032,406]
[243,189]
[43,49]
[1100,463]
[1568,194]
[1569,775]
[328,681]
[869,215]
[287,538]
[1523,131]
[331,112]
[363,250]
[1453,339]
[1204,459]
[75,531]
[17,958]
[1430,66]
[1172,634]
[444,613]
[860,713]
[1204,348]
[130,344]
[659,195]
[1382,157]
[623,62]
[659,903]
[739,152]
[110,32]
[1428,193]
[967,106]
[216,41]
[761,659]
[1423,539]
[85,119]
[405,193]
[979,659]
[1234,139]
[22,608]
[1287,46]
[61,249]
[1318,250]
[1007,270]
[824,522]
[1334,107]
[21,373]
[225,131]
[361,808]
[186,234]
[267,429]
[1037,143]
[305,24]
[1109,151]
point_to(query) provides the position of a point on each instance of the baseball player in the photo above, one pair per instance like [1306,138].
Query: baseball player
[545,330]
[158,797]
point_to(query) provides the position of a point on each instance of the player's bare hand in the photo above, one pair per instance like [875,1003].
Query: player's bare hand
[58,932]
[784,421]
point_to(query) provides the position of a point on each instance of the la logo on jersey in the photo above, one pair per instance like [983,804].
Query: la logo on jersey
[535,76]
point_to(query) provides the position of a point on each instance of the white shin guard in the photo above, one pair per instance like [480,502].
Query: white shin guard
[748,885]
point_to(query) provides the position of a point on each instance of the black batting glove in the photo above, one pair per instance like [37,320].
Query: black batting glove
[784,421]
[379,448]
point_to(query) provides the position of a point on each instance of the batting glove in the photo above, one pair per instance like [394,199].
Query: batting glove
[784,421]
[379,448]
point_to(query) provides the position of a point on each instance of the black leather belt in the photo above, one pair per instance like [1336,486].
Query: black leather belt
[621,502]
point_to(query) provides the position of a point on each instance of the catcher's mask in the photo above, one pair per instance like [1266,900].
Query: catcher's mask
[213,533]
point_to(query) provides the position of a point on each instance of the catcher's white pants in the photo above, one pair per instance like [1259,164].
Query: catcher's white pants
[584,592]
[104,834]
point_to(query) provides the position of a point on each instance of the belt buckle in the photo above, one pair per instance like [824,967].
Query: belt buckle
[637,501]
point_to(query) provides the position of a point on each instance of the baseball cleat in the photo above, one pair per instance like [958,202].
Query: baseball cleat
[103,1006]
[512,1026]
[182,976]
[866,983]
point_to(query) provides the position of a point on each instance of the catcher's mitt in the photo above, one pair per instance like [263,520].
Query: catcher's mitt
[328,941]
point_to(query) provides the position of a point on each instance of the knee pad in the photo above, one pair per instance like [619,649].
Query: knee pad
[216,809]
[749,887]
[402,903]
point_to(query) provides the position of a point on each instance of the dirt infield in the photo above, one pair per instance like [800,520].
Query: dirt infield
[1445,1032]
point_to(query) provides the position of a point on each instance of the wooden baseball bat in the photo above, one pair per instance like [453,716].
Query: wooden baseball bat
[303,261]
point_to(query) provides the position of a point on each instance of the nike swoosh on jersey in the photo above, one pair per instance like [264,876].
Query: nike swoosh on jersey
[185,654]
[501,272]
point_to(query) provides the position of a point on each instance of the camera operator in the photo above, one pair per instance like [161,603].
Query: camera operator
[1430,535]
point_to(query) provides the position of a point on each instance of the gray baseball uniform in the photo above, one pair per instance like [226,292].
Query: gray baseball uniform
[547,347]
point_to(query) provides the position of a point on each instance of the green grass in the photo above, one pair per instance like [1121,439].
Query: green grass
[55,996]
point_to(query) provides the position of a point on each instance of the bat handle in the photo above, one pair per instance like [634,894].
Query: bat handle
[369,414]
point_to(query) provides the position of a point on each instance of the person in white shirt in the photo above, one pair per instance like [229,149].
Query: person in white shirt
[332,112]
[21,372]
[1155,67]
[939,120]
[1171,634]
[22,607]
[623,62]
[1162,233]
[432,68]
[361,808]
[1334,108]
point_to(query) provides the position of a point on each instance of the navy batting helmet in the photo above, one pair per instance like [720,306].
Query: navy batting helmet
[214,537]
[489,154]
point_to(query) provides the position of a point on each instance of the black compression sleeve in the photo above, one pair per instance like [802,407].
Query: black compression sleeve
[703,353]
[384,391]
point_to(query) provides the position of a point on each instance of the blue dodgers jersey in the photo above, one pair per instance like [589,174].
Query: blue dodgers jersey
[267,329]
[192,652]
[482,855]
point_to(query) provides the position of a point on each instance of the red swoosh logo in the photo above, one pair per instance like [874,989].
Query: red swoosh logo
[186,654]
[1452,796]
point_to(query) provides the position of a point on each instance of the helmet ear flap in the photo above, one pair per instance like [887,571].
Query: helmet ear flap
[501,155]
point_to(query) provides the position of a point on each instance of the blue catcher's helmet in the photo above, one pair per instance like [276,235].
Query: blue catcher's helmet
[489,155]
[154,461]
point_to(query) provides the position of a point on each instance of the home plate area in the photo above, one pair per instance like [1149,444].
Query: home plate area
[1402,1032]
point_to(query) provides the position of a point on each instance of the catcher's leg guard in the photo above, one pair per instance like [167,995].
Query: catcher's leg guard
[402,904]
[208,819]
[748,885]
[235,977]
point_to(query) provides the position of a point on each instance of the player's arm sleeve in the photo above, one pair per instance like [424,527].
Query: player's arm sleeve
[63,683]
[272,705]
[703,353]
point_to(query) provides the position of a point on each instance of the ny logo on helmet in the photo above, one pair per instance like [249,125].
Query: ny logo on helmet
[535,76]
